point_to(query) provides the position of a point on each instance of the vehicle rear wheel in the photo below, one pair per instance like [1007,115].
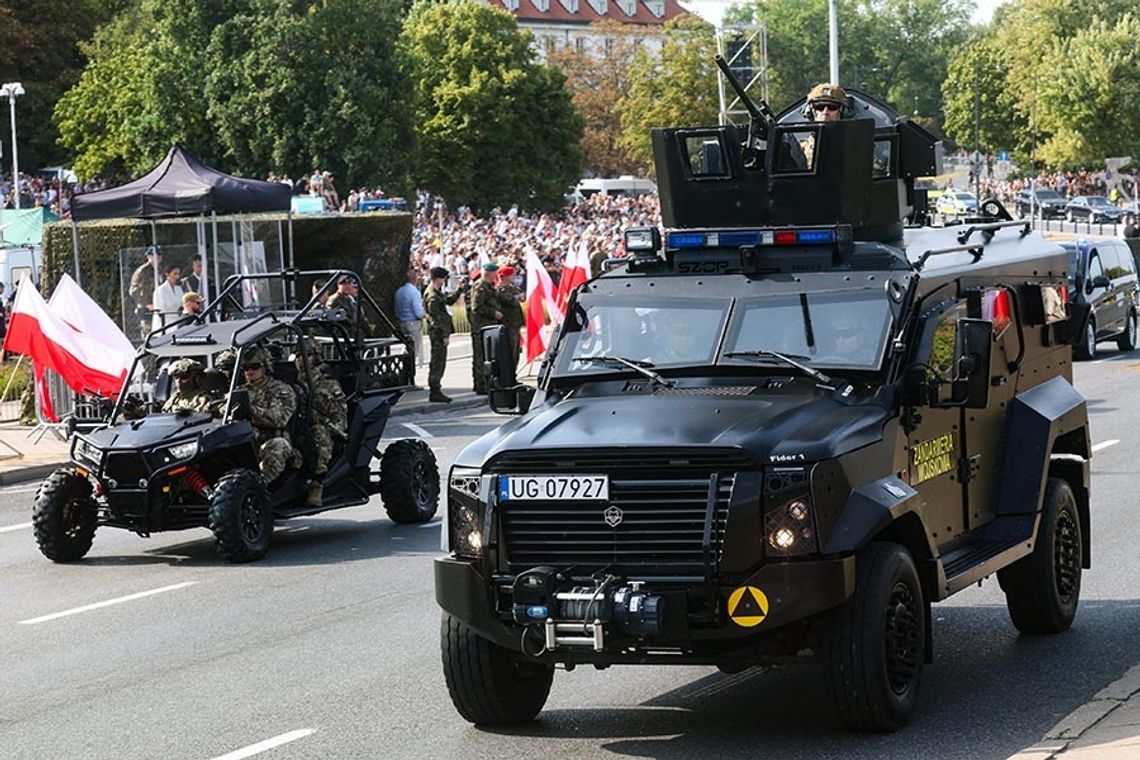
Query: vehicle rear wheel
[1127,339]
[1086,349]
[64,516]
[1042,590]
[488,684]
[877,641]
[409,481]
[240,516]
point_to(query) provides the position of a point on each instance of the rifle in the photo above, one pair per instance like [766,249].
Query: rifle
[761,116]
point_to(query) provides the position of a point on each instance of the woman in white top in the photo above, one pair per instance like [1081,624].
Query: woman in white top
[168,298]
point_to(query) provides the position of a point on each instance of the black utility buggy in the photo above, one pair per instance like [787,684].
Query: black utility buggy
[166,471]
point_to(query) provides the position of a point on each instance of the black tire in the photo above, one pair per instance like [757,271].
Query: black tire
[1042,591]
[490,685]
[1127,339]
[1086,349]
[409,481]
[877,642]
[240,517]
[64,516]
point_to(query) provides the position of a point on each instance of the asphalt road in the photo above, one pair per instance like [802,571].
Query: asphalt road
[329,647]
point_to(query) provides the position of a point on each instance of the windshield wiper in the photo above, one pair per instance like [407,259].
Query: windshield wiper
[789,359]
[637,365]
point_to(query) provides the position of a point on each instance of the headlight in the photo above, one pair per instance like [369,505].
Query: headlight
[789,517]
[464,512]
[178,452]
[88,452]
[642,241]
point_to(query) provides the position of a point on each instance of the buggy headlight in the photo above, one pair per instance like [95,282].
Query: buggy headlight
[464,512]
[88,452]
[178,452]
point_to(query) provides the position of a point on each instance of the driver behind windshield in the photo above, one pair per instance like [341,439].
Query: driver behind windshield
[190,394]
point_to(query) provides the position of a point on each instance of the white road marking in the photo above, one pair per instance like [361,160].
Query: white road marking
[417,430]
[20,489]
[108,603]
[10,528]
[268,744]
[1105,444]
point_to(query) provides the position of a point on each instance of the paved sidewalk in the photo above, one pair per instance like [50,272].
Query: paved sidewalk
[1107,727]
[29,454]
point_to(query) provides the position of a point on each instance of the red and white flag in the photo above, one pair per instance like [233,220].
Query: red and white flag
[575,271]
[71,303]
[85,364]
[541,309]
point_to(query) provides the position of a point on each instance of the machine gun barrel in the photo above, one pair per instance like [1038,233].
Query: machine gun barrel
[761,112]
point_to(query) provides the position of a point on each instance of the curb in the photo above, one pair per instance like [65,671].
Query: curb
[458,403]
[29,473]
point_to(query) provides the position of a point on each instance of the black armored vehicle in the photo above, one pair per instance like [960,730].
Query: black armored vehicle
[148,471]
[777,432]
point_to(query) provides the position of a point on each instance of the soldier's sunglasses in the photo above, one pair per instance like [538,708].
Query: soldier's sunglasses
[248,367]
[825,106]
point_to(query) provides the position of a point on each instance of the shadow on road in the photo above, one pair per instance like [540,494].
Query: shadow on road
[989,693]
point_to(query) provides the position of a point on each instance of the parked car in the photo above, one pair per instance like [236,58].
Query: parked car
[1048,204]
[956,203]
[1093,208]
[1103,294]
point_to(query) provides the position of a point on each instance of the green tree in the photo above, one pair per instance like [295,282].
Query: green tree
[494,127]
[677,87]
[977,76]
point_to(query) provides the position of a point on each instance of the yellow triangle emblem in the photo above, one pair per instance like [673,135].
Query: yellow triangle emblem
[747,606]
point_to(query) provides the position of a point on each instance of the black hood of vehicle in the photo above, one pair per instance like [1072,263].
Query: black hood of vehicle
[773,427]
[155,430]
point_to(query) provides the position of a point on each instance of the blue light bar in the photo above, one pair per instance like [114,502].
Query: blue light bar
[738,239]
[815,237]
[686,240]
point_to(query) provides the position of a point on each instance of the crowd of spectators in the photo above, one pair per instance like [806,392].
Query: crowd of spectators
[1068,184]
[461,241]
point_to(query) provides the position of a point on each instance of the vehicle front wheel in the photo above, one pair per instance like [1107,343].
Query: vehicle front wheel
[1127,339]
[240,516]
[490,685]
[64,516]
[409,481]
[877,642]
[1086,349]
[1042,590]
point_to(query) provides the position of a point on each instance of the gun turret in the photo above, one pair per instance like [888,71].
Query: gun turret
[760,116]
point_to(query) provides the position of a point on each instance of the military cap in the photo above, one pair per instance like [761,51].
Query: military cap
[349,278]
[490,266]
[827,93]
[439,273]
[507,271]
[226,360]
[185,367]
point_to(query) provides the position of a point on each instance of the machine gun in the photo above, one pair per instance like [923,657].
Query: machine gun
[760,116]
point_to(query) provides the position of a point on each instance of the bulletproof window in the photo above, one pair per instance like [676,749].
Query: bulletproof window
[797,151]
[705,156]
[941,359]
[882,158]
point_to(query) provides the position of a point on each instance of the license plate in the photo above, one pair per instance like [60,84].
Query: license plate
[554,488]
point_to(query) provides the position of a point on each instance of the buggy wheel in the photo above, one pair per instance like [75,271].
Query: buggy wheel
[409,481]
[488,684]
[240,517]
[1127,339]
[64,516]
[877,641]
[1042,590]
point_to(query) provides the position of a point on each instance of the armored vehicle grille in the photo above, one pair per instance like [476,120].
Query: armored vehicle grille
[128,468]
[674,506]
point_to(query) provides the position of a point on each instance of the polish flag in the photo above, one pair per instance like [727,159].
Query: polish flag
[575,271]
[539,305]
[85,364]
[79,311]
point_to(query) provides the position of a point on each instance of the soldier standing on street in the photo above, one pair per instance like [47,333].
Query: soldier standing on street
[440,328]
[143,282]
[190,395]
[510,300]
[328,417]
[485,311]
[272,403]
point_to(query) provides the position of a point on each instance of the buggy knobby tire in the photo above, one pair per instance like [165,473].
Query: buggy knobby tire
[490,685]
[876,642]
[1042,590]
[240,517]
[64,517]
[409,481]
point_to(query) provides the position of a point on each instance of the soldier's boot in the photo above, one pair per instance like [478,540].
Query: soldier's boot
[316,491]
[437,395]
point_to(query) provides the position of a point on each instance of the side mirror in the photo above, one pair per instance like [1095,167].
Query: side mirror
[1101,281]
[971,387]
[240,408]
[498,358]
[514,400]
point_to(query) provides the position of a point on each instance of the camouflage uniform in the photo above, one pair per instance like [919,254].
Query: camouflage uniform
[484,304]
[328,416]
[511,300]
[272,403]
[142,292]
[440,328]
[190,396]
[344,301]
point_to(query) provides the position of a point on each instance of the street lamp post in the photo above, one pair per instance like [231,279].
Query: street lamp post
[14,90]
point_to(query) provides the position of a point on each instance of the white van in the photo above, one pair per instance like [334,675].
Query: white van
[16,263]
[626,185]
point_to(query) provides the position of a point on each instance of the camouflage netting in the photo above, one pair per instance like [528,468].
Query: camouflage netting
[376,245]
